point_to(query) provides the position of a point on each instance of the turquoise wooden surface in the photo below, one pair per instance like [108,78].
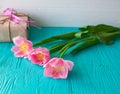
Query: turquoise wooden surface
[96,70]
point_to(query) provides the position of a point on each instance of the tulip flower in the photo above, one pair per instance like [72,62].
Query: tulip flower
[58,68]
[22,47]
[39,56]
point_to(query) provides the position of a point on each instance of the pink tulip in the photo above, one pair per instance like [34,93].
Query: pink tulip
[22,47]
[39,56]
[58,68]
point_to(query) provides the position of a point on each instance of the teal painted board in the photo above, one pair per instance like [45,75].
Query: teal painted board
[96,70]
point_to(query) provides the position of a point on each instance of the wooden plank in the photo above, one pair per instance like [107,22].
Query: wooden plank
[96,70]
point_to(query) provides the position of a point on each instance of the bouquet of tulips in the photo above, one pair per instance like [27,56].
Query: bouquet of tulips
[57,67]
[85,37]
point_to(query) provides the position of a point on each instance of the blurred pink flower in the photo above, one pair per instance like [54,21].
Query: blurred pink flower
[22,47]
[58,68]
[39,56]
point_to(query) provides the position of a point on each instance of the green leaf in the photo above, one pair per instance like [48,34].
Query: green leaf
[80,34]
[102,37]
[83,28]
[66,36]
[108,38]
[102,28]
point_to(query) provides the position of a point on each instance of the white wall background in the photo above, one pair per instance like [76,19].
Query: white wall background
[68,12]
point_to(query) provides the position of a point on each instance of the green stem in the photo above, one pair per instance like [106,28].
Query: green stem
[85,45]
[66,47]
[59,46]
[112,35]
[61,50]
[61,55]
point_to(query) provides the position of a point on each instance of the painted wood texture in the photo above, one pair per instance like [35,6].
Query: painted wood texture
[96,70]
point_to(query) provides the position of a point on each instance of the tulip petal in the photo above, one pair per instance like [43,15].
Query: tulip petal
[69,64]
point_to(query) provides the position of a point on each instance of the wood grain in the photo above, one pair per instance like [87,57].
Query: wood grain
[96,70]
